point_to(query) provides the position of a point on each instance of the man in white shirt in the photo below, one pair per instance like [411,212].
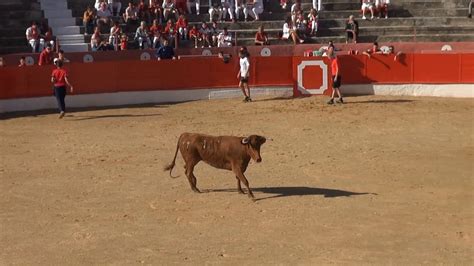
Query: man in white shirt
[244,73]
[224,39]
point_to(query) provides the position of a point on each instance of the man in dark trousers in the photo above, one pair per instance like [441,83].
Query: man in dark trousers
[165,51]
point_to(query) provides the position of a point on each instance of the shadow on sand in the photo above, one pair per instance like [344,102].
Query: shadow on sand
[279,192]
[380,101]
[79,117]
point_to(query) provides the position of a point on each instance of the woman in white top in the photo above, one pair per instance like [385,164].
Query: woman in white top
[289,30]
[244,73]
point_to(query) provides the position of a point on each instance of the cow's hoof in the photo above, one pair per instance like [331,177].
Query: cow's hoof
[241,192]
[196,190]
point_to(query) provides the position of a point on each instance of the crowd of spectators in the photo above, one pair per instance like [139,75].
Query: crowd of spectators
[149,23]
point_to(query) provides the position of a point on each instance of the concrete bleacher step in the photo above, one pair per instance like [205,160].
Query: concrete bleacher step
[70,39]
[57,13]
[75,47]
[68,30]
[61,22]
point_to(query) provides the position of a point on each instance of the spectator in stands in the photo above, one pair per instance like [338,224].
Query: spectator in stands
[123,42]
[240,7]
[48,33]
[143,11]
[367,5]
[156,33]
[46,56]
[115,34]
[169,9]
[295,10]
[469,9]
[313,21]
[59,78]
[352,30]
[215,9]
[96,39]
[373,50]
[115,7]
[182,26]
[34,39]
[289,30]
[382,8]
[228,8]
[255,9]
[224,39]
[2,62]
[103,15]
[301,27]
[195,37]
[205,33]
[105,46]
[97,4]
[317,4]
[61,57]
[170,32]
[22,62]
[165,51]
[141,36]
[189,4]
[156,11]
[284,4]
[214,31]
[261,37]
[88,19]
[130,16]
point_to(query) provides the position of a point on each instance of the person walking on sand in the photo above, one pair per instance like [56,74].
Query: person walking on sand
[244,72]
[59,78]
[336,76]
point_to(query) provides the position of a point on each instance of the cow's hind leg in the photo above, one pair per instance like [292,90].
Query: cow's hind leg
[191,178]
[239,188]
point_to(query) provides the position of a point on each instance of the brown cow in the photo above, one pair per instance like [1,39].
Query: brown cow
[223,152]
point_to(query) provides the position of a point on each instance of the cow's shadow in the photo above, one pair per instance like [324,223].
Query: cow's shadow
[279,192]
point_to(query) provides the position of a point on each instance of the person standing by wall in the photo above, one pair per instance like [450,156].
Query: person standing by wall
[244,73]
[336,76]
[59,78]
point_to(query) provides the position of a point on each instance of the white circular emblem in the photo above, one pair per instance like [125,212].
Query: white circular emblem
[145,56]
[88,58]
[266,52]
[206,52]
[446,47]
[29,61]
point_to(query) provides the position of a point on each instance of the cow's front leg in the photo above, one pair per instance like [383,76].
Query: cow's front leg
[239,188]
[244,180]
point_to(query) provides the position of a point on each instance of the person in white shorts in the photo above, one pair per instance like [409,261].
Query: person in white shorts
[254,9]
[228,8]
[368,4]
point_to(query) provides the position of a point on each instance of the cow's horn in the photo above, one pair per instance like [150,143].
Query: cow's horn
[245,141]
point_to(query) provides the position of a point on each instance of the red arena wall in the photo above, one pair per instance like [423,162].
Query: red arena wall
[211,72]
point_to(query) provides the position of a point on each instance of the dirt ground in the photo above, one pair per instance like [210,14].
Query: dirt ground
[379,180]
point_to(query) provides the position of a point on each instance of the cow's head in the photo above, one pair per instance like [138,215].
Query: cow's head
[253,142]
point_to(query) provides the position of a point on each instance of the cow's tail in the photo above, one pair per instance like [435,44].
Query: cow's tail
[170,166]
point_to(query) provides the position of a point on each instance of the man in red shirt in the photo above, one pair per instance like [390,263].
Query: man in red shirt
[336,76]
[46,56]
[59,78]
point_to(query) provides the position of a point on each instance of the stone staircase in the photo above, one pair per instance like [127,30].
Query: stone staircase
[64,25]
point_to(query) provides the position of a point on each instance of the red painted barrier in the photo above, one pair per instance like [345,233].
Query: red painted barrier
[212,72]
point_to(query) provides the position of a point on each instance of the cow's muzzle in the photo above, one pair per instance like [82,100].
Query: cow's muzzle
[259,160]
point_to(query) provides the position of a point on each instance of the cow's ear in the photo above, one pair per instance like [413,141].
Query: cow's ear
[245,141]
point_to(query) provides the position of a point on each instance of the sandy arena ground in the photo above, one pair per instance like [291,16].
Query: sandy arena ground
[379,180]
